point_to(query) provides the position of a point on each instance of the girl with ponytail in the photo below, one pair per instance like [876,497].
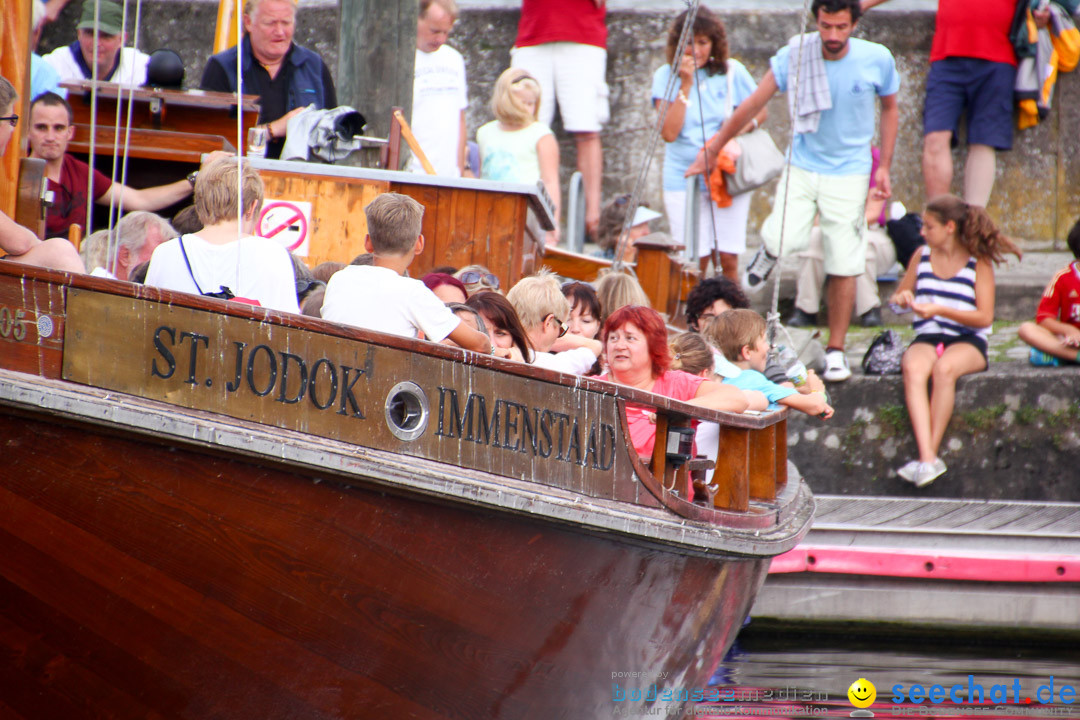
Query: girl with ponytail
[949,285]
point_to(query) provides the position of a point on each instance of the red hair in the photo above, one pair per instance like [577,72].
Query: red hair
[651,325]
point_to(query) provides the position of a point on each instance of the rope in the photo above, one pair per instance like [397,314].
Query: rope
[241,141]
[114,238]
[639,184]
[773,318]
[93,123]
[706,176]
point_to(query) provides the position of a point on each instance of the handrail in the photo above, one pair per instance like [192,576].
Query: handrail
[752,451]
[575,213]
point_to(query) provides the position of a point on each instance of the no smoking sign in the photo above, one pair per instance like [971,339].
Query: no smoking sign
[287,222]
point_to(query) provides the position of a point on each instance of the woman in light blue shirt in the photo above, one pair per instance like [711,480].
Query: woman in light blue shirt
[706,75]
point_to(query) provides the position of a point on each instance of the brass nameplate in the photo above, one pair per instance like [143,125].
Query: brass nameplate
[338,388]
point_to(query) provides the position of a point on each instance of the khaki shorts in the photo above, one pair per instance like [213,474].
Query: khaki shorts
[574,75]
[839,201]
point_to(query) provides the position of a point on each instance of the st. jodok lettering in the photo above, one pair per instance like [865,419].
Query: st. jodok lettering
[261,370]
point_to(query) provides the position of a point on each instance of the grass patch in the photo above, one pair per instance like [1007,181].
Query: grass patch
[982,418]
[894,420]
[851,442]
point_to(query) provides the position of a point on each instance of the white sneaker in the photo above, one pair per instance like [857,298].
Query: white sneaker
[758,271]
[908,471]
[836,366]
[929,472]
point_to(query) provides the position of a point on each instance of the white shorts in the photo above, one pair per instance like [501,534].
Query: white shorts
[839,203]
[574,75]
[730,222]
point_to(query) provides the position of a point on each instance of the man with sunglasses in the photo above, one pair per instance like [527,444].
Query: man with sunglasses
[543,309]
[51,131]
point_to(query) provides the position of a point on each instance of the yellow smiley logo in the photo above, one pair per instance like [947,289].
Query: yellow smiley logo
[862,693]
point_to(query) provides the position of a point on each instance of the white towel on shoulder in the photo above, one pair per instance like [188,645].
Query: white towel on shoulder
[812,88]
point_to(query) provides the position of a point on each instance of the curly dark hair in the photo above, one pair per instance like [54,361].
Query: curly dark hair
[708,291]
[708,24]
[834,6]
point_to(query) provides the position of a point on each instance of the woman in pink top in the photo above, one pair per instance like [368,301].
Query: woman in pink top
[636,350]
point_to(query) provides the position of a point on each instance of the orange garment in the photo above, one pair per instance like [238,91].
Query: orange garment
[725,163]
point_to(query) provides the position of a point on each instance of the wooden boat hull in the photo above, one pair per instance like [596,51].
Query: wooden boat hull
[212,510]
[142,578]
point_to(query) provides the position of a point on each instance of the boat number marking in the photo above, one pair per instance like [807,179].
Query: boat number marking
[13,324]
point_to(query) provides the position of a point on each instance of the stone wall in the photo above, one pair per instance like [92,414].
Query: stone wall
[1032,198]
[1014,435]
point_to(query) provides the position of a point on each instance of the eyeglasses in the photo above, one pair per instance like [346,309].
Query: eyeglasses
[13,119]
[472,277]
[563,327]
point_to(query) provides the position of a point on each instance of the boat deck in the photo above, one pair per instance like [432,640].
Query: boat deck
[932,563]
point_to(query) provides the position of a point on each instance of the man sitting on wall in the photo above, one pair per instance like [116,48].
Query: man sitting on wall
[287,77]
[115,63]
[51,130]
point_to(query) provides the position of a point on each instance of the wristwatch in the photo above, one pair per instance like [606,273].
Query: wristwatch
[192,177]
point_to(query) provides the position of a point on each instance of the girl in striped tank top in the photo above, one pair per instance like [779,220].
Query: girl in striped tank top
[950,287]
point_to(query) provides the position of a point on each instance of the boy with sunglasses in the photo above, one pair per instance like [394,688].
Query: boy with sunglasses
[543,310]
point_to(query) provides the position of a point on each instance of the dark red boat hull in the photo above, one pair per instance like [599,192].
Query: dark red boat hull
[143,579]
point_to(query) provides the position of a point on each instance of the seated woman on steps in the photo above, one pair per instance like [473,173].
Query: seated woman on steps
[949,284]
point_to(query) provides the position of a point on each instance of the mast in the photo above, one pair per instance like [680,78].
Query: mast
[376,56]
[15,66]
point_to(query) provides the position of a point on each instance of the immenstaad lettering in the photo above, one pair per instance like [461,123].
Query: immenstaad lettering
[516,427]
[263,370]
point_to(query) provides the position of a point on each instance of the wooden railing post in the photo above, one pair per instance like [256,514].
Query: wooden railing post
[781,454]
[763,464]
[731,476]
[660,275]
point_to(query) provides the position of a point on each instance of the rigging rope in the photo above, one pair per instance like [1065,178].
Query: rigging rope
[773,319]
[93,121]
[117,203]
[639,184]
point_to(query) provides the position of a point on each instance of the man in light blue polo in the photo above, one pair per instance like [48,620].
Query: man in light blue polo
[841,79]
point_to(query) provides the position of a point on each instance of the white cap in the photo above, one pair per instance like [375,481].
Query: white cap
[644,215]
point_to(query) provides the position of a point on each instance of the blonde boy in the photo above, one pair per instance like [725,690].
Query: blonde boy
[380,297]
[740,335]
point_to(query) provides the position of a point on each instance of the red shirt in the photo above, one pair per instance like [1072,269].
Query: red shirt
[674,384]
[546,21]
[975,29]
[69,196]
[1061,301]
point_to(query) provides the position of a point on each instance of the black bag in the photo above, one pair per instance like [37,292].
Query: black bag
[883,355]
[906,236]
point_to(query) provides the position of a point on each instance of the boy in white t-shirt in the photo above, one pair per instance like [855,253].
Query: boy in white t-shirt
[379,297]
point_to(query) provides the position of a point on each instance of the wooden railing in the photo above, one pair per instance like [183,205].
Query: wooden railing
[664,278]
[751,458]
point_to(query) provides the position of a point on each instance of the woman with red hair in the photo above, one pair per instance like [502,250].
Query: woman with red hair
[636,350]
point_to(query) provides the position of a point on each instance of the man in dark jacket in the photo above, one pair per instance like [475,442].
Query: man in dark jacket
[287,77]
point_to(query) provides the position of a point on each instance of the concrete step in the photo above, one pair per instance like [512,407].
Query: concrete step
[1014,435]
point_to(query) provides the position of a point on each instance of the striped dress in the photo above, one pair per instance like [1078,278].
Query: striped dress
[957,292]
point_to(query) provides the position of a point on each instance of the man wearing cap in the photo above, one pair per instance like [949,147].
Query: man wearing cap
[287,77]
[112,61]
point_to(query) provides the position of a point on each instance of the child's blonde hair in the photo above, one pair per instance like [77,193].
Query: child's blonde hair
[690,353]
[733,330]
[507,106]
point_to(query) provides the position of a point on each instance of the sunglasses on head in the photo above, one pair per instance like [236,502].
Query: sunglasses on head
[472,277]
[524,76]
[13,119]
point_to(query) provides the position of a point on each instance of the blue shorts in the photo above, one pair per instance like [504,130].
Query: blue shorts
[982,89]
[947,340]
